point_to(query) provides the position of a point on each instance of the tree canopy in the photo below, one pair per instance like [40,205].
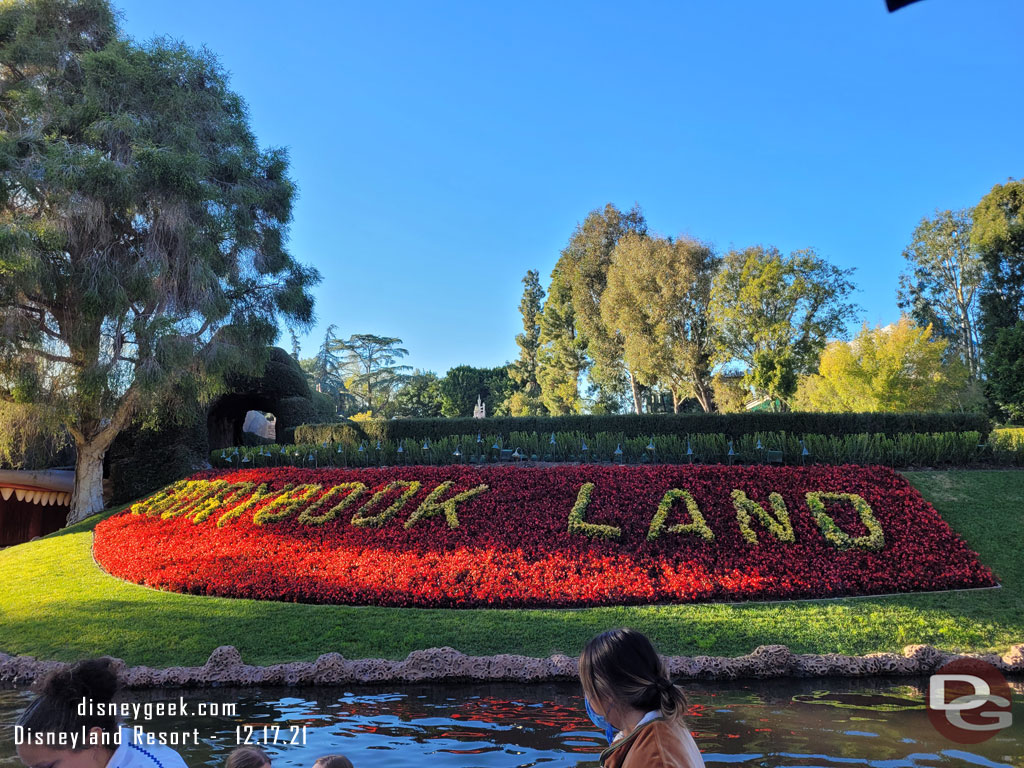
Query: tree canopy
[998,234]
[370,369]
[656,304]
[142,228]
[941,287]
[896,368]
[583,269]
[561,357]
[775,313]
[463,384]
[419,397]
[525,400]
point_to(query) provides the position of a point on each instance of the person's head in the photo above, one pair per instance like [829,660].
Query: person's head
[57,711]
[621,671]
[248,757]
[333,761]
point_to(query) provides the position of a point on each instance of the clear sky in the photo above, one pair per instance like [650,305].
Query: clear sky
[442,149]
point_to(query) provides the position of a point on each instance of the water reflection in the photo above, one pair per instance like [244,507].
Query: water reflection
[848,723]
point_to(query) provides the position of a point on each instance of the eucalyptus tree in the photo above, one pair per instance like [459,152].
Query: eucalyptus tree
[656,304]
[142,228]
[942,287]
[775,313]
[584,263]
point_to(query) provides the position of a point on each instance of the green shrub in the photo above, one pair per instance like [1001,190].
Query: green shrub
[143,459]
[1008,445]
[352,450]
[732,425]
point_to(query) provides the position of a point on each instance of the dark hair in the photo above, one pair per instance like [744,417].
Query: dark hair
[55,710]
[333,761]
[621,665]
[248,757]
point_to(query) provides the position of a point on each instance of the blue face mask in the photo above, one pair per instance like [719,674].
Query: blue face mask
[599,721]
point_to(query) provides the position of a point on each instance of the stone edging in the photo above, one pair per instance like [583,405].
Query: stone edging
[226,668]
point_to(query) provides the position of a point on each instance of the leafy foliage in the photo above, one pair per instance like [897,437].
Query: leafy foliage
[941,288]
[419,397]
[524,370]
[998,234]
[561,358]
[775,313]
[897,368]
[463,384]
[369,368]
[142,229]
[656,305]
[586,260]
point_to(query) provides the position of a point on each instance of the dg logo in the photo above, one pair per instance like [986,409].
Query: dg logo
[969,701]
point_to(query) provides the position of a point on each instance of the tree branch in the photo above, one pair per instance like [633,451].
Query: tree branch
[47,355]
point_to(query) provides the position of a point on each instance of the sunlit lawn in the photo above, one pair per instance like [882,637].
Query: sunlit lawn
[58,604]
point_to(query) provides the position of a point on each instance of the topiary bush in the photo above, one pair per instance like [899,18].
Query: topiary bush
[732,425]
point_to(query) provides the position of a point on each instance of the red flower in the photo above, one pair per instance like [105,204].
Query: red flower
[505,538]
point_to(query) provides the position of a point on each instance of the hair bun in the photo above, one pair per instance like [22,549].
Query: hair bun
[92,679]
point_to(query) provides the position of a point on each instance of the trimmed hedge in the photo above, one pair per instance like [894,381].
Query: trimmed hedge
[733,425]
[910,450]
[142,460]
[1008,445]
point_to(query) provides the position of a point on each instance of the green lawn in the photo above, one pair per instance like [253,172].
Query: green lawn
[60,605]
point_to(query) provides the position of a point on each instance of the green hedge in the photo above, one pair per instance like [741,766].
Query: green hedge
[1008,445]
[910,450]
[733,425]
[142,460]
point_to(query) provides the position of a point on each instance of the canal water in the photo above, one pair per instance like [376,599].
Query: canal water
[844,723]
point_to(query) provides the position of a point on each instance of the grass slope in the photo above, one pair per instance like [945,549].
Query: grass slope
[60,605]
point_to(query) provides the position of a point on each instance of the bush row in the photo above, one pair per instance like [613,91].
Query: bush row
[1008,445]
[733,425]
[933,449]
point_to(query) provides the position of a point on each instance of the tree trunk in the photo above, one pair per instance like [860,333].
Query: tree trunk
[704,395]
[87,498]
[636,393]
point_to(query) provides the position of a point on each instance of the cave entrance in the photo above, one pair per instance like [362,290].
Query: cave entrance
[241,419]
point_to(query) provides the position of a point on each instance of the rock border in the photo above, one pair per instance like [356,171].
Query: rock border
[226,668]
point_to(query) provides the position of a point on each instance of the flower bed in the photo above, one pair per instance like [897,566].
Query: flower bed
[559,536]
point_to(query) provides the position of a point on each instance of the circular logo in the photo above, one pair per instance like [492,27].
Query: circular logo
[969,701]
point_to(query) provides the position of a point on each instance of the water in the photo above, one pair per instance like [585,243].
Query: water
[844,723]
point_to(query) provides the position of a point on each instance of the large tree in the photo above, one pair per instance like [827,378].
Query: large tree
[419,397]
[370,369]
[584,262]
[463,384]
[656,303]
[524,370]
[142,229]
[325,375]
[998,234]
[896,368]
[561,357]
[775,313]
[941,288]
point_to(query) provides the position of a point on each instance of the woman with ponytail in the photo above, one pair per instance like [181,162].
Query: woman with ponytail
[629,694]
[73,724]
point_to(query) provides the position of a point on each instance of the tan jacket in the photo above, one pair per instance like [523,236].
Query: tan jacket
[655,744]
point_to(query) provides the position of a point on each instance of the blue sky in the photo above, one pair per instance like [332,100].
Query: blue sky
[442,149]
